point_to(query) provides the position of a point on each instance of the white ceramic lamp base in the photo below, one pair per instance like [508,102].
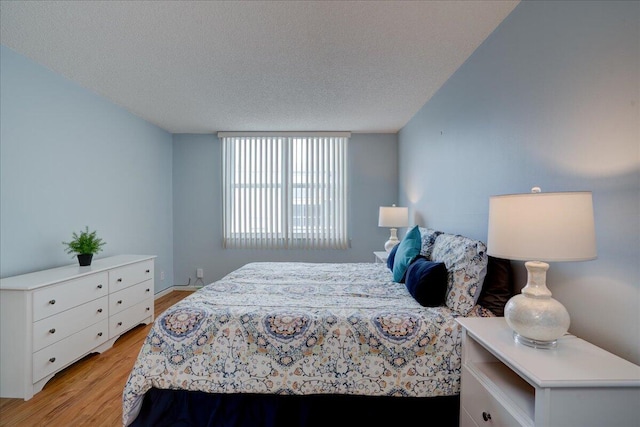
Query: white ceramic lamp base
[393,240]
[536,319]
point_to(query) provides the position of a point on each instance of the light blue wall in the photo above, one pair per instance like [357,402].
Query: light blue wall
[550,99]
[69,158]
[373,181]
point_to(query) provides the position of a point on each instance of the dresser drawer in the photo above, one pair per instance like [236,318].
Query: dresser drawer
[123,277]
[59,326]
[65,295]
[130,296]
[55,357]
[481,406]
[465,419]
[126,319]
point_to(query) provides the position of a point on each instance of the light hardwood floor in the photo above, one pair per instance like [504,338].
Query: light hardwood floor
[89,392]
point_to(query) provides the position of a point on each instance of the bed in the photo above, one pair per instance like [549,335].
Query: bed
[292,344]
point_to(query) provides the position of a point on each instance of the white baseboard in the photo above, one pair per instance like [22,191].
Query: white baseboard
[175,288]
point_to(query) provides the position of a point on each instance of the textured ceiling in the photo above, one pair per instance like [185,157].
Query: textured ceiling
[206,66]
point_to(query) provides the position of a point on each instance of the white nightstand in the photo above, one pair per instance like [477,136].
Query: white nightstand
[576,384]
[381,256]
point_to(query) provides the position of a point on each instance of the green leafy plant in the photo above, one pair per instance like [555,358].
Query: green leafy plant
[87,242]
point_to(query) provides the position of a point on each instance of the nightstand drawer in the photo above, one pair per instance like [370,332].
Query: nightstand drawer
[465,419]
[481,406]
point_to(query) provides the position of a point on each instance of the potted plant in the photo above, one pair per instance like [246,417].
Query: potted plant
[84,245]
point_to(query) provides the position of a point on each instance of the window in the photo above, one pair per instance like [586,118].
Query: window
[285,191]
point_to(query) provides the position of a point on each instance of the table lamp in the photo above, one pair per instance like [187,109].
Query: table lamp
[393,216]
[539,228]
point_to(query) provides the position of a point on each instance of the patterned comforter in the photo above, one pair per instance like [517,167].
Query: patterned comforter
[301,328]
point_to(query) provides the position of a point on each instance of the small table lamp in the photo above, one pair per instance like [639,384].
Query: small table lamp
[539,227]
[393,216]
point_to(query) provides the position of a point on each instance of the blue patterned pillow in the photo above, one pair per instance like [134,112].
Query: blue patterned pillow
[429,236]
[407,251]
[426,281]
[466,261]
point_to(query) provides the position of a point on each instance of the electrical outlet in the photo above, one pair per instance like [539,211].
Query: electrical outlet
[161,275]
[199,273]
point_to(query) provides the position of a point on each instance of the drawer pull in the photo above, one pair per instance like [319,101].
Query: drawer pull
[148,308]
[148,271]
[52,302]
[52,330]
[99,310]
[53,359]
[99,286]
[486,416]
[147,290]
[119,301]
[119,280]
[119,323]
[99,334]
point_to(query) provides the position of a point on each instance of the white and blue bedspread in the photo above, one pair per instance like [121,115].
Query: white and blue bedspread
[301,328]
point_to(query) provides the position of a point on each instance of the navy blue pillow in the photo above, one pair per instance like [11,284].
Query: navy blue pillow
[391,256]
[426,281]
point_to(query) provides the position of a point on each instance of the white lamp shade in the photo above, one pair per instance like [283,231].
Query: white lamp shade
[393,216]
[542,227]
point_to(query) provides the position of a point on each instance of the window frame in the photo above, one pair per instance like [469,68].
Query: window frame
[322,229]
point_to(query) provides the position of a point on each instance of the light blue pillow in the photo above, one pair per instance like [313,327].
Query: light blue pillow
[408,250]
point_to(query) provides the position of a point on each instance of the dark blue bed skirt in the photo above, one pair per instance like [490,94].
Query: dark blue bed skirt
[178,408]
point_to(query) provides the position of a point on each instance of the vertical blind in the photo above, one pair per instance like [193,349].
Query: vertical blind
[285,191]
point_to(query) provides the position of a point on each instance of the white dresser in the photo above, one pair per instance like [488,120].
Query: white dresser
[574,385]
[50,319]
